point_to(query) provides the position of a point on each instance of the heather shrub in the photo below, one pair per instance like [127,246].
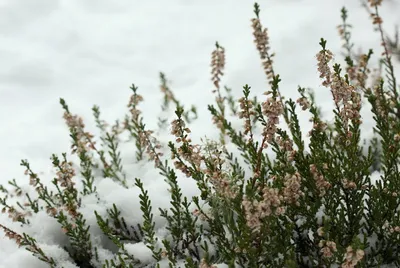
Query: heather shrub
[269,194]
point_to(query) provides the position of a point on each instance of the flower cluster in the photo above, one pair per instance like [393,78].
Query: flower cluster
[320,182]
[286,145]
[347,99]
[217,64]
[292,191]
[152,146]
[84,139]
[352,257]
[328,248]
[13,235]
[247,113]
[187,151]
[261,39]
[219,177]
[270,204]
[14,214]
[272,108]
[304,103]
[350,99]
[323,58]
[133,103]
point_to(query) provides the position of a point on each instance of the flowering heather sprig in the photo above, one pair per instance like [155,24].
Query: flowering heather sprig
[145,141]
[186,151]
[152,146]
[29,243]
[247,111]
[66,199]
[68,196]
[218,176]
[218,65]
[323,58]
[83,140]
[13,212]
[134,101]
[17,212]
[272,108]
[341,90]
[345,96]
[134,123]
[17,189]
[42,190]
[13,235]
[65,173]
[262,43]
[321,184]
[76,123]
[83,146]
[387,61]
[357,72]
[261,39]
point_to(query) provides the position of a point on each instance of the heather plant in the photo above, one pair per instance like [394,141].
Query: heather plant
[271,194]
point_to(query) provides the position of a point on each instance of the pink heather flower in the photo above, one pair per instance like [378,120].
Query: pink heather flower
[272,109]
[304,103]
[292,191]
[352,258]
[218,65]
[321,183]
[375,3]
[323,58]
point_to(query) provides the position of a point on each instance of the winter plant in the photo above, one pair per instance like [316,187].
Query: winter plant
[271,194]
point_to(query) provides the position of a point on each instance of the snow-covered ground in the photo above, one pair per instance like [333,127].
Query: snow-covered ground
[90,52]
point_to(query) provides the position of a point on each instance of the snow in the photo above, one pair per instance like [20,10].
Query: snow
[140,250]
[90,52]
